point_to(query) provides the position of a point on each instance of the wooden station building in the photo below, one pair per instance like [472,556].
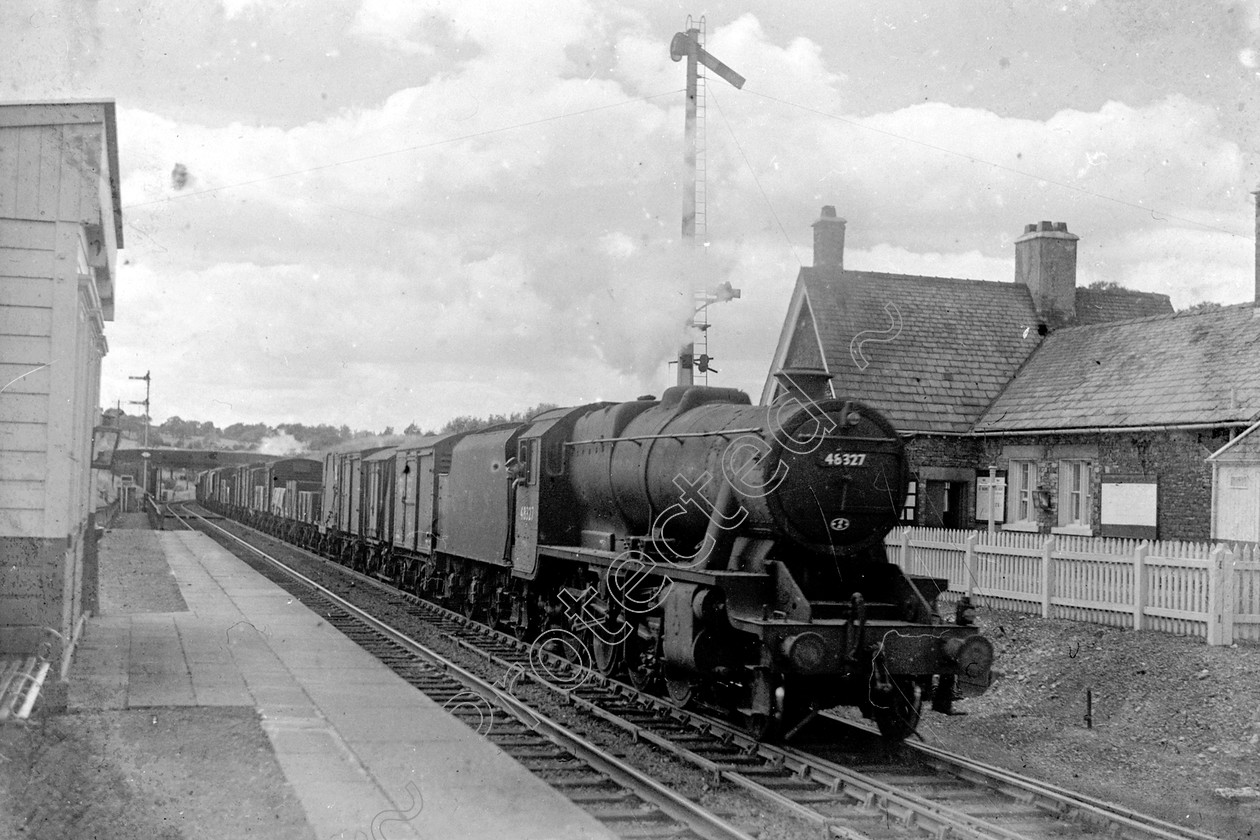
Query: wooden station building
[60,230]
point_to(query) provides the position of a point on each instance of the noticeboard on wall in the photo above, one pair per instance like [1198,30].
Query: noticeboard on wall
[986,491]
[1130,506]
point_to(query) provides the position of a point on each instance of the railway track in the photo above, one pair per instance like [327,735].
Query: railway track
[623,799]
[911,784]
[867,789]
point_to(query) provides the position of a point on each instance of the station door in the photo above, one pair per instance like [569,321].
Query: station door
[1237,503]
[943,504]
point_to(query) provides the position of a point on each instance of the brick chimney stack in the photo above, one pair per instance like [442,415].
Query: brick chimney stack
[1045,262]
[829,239]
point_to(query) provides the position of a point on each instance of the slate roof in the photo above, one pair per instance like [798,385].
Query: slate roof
[1191,367]
[1096,306]
[932,353]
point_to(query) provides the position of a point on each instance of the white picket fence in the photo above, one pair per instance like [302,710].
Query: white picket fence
[1201,589]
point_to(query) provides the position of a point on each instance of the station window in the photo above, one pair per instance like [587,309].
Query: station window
[907,511]
[1075,500]
[1023,483]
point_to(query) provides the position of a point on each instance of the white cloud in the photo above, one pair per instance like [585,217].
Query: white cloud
[507,231]
[530,39]
[398,24]
[237,8]
[971,265]
[1188,265]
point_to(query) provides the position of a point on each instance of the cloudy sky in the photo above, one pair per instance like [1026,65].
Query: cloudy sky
[375,212]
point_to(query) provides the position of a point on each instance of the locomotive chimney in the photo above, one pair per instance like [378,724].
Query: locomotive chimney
[1045,262]
[829,239]
[804,383]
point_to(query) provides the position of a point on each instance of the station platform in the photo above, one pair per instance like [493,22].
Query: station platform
[185,624]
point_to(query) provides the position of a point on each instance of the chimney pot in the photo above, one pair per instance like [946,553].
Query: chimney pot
[829,211]
[1029,228]
[1045,226]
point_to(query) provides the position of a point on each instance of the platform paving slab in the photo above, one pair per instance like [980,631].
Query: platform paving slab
[367,755]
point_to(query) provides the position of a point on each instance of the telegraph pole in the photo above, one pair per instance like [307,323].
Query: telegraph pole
[145,402]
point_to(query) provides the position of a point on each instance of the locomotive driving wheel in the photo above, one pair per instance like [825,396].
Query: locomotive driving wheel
[682,688]
[642,657]
[607,657]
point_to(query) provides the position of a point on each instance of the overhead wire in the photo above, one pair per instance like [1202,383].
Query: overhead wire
[1159,214]
[752,171]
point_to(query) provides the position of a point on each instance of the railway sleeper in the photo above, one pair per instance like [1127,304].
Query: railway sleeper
[609,795]
[620,813]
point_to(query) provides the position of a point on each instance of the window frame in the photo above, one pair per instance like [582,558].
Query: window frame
[909,509]
[1076,496]
[1020,489]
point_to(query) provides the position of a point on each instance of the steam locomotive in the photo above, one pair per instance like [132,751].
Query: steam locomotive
[699,546]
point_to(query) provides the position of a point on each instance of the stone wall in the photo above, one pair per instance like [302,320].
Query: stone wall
[1174,460]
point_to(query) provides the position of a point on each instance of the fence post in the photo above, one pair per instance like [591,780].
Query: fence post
[1047,576]
[1139,583]
[1220,624]
[905,549]
[969,564]
[1229,580]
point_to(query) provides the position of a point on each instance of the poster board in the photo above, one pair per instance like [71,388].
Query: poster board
[1130,506]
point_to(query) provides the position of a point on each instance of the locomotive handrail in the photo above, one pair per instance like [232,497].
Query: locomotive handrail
[636,438]
[719,433]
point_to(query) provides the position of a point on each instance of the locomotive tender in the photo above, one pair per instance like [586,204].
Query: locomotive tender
[699,546]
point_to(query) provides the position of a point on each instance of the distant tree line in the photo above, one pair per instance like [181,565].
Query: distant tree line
[469,423]
[204,434]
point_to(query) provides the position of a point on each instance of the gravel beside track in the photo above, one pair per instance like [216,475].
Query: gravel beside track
[1174,720]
